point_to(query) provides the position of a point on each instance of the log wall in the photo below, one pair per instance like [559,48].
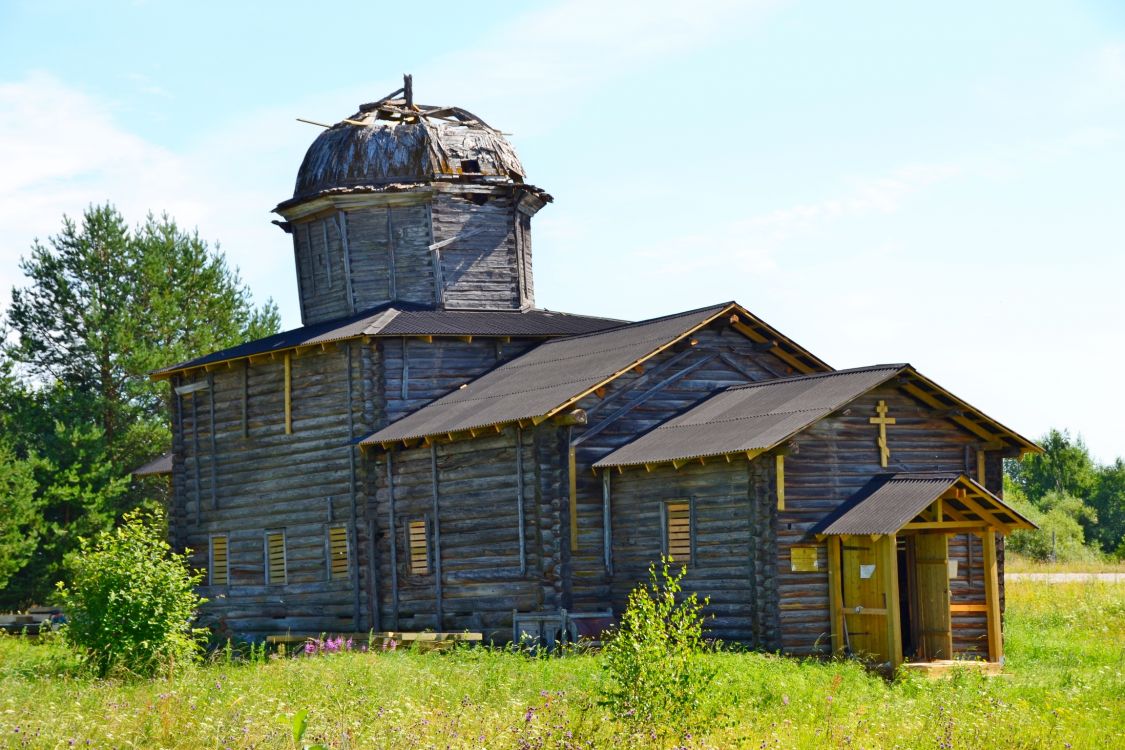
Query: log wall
[238,473]
[670,383]
[492,537]
[829,463]
[489,267]
[732,563]
[355,259]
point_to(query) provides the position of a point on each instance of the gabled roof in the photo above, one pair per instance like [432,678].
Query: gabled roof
[558,373]
[891,501]
[404,319]
[757,417]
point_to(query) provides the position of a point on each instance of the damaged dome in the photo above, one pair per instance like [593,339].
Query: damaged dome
[394,141]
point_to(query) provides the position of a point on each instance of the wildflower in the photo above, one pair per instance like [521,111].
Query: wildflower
[785,700]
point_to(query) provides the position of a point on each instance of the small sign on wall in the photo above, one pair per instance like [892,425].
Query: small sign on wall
[803,559]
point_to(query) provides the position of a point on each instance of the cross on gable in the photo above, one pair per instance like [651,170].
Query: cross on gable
[882,420]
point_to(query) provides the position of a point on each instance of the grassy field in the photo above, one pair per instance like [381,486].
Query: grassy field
[1064,687]
[1018,564]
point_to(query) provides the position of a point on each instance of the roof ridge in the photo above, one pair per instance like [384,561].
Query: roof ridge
[638,323]
[814,375]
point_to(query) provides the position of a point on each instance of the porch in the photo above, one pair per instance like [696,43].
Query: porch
[889,571]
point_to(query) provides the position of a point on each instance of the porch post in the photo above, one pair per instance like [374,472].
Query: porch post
[888,558]
[992,597]
[834,602]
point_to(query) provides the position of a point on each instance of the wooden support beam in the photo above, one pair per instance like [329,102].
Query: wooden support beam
[779,463]
[572,471]
[981,460]
[985,514]
[953,526]
[288,394]
[888,558]
[835,583]
[992,597]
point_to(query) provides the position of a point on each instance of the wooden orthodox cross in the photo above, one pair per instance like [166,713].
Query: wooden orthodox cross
[882,420]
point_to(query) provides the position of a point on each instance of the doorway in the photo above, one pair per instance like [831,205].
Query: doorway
[924,597]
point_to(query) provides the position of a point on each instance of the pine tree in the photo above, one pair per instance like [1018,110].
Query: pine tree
[105,305]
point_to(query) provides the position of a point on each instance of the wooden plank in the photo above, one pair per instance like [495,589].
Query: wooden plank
[834,594]
[992,597]
[779,464]
[572,474]
[288,394]
[933,595]
[889,558]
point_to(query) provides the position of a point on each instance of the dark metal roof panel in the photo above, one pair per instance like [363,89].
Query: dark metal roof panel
[545,378]
[402,319]
[887,504]
[756,416]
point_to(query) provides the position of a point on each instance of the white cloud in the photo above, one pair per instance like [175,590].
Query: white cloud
[63,150]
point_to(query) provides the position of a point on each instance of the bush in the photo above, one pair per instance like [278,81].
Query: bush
[653,661]
[1060,537]
[131,600]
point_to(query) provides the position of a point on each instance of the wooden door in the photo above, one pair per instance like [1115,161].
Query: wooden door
[931,554]
[863,577]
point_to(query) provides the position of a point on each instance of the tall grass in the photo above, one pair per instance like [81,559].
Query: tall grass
[1064,685]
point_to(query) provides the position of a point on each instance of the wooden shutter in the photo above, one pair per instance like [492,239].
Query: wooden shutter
[275,552]
[419,547]
[219,570]
[678,519]
[338,551]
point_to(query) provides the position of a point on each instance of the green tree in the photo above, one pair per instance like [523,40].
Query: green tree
[131,600]
[1064,466]
[1109,503]
[1060,518]
[103,306]
[106,305]
[20,524]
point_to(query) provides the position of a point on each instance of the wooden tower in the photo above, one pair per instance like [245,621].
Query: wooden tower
[414,204]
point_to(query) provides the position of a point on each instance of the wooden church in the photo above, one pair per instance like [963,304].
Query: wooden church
[432,452]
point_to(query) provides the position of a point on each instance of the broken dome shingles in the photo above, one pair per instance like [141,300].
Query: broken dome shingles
[545,379]
[401,319]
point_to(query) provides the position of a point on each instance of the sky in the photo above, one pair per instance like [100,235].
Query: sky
[940,184]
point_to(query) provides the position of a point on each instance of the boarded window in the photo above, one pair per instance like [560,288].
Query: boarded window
[275,557]
[419,547]
[677,529]
[219,568]
[338,552]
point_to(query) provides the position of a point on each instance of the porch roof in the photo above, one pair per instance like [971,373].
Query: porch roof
[890,503]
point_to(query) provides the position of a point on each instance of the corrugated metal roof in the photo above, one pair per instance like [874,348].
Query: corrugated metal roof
[157,466]
[546,378]
[889,502]
[751,417]
[403,319]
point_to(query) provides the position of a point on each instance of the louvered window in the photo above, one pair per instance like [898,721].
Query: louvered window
[677,531]
[275,557]
[219,569]
[418,544]
[338,552]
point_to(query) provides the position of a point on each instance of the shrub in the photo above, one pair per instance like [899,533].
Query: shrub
[653,661]
[131,600]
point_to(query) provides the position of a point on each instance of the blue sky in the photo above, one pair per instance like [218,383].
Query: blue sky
[883,181]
